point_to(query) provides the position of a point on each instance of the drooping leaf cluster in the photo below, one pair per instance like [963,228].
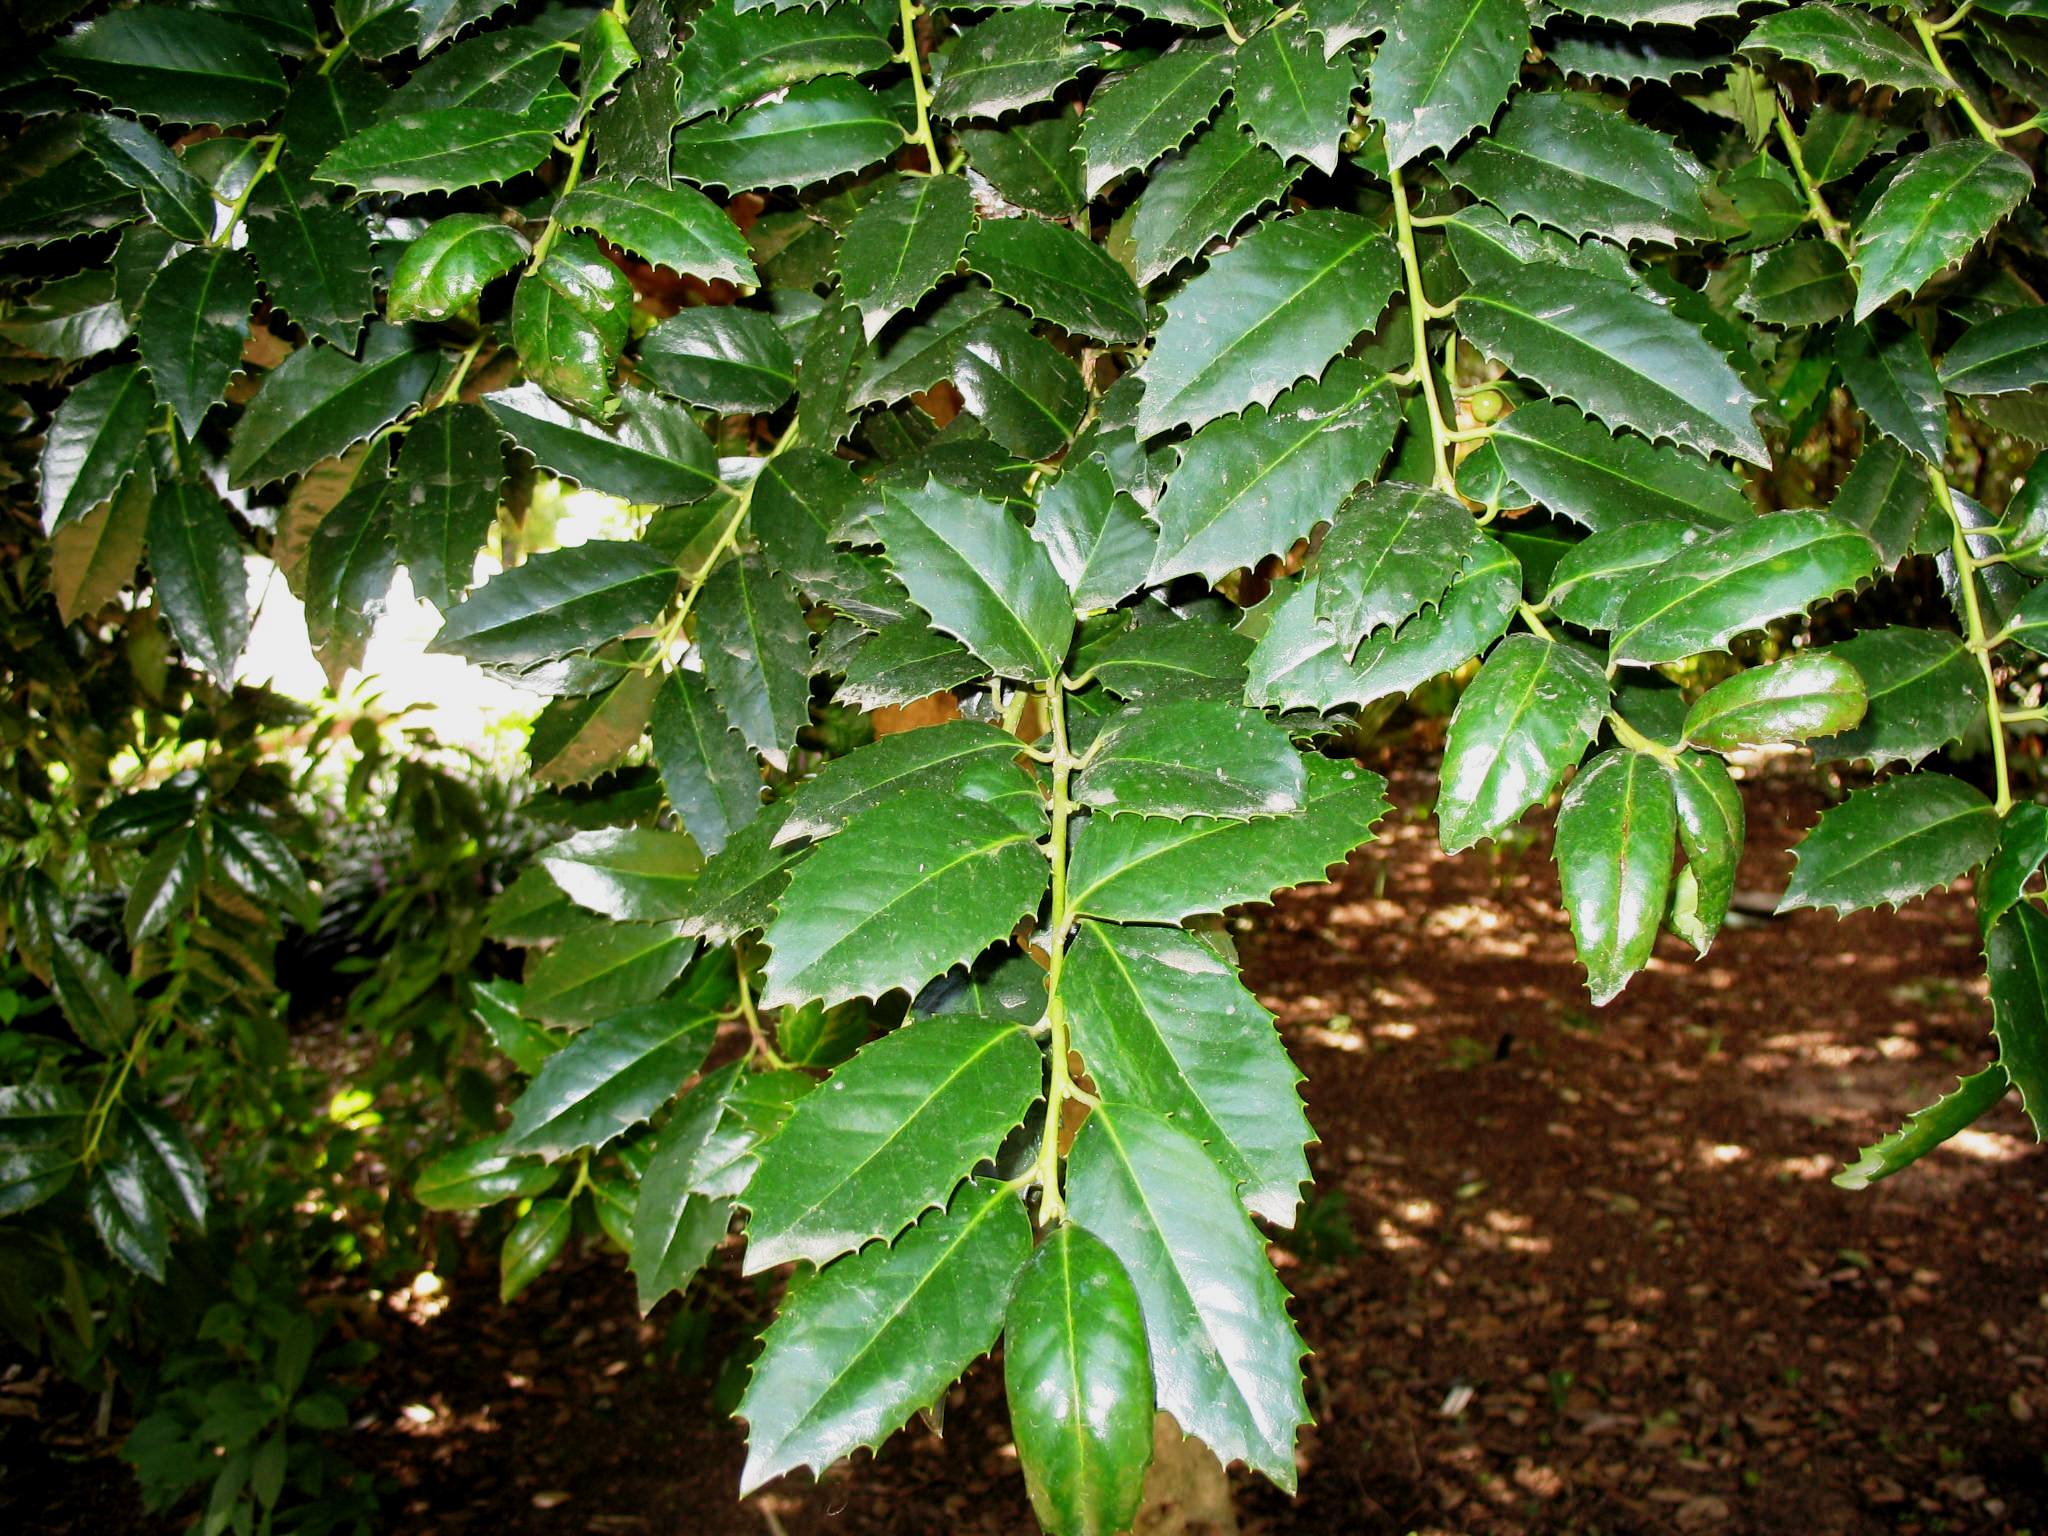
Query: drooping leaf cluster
[1160,387]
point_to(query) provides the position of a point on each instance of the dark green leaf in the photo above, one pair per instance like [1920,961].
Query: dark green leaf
[535,1242]
[137,158]
[910,888]
[1618,354]
[937,757]
[563,600]
[93,444]
[1079,1383]
[191,328]
[1273,309]
[1012,60]
[653,452]
[889,1136]
[1806,282]
[881,1334]
[1737,580]
[635,874]
[2000,356]
[2017,954]
[319,268]
[1223,1348]
[1294,101]
[1891,843]
[1945,200]
[609,1078]
[445,499]
[731,60]
[1926,1129]
[446,269]
[815,132]
[182,66]
[1710,831]
[709,775]
[94,998]
[1139,869]
[673,227]
[574,740]
[1154,662]
[127,1215]
[905,661]
[320,401]
[495,1005]
[1024,392]
[737,891]
[443,150]
[1192,758]
[1521,723]
[196,556]
[1616,833]
[1887,369]
[1141,115]
[1443,70]
[675,1228]
[480,1174]
[1790,700]
[1060,276]
[1886,495]
[1036,165]
[1391,550]
[570,320]
[757,654]
[1593,580]
[1835,40]
[349,567]
[603,969]
[904,239]
[722,359]
[603,57]
[1203,194]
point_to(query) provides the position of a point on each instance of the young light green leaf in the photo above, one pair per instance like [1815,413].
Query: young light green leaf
[1521,723]
[1079,1383]
[1616,833]
[1925,1129]
[1891,843]
[888,1136]
[1224,1351]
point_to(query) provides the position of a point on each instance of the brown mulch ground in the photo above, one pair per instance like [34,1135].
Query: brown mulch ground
[1598,1281]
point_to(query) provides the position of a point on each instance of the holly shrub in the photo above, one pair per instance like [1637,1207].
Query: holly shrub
[1165,387]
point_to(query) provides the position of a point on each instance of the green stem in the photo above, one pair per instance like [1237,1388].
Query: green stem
[1980,641]
[462,368]
[755,1032]
[1930,40]
[553,232]
[235,209]
[727,537]
[1636,741]
[920,95]
[1051,1204]
[1534,619]
[1418,320]
[1816,206]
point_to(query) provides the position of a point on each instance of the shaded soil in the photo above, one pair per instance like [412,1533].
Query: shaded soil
[1566,1271]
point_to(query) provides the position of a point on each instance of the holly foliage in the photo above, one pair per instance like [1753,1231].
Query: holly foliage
[1165,386]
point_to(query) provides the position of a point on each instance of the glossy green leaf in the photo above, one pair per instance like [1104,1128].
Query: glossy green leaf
[480,1174]
[1522,722]
[652,452]
[1887,369]
[1036,163]
[635,874]
[674,227]
[1925,1129]
[1805,282]
[881,1334]
[1298,662]
[906,890]
[1139,116]
[442,150]
[604,968]
[570,320]
[888,1137]
[128,1218]
[1616,353]
[318,265]
[1099,541]
[815,132]
[609,1078]
[1738,580]
[1924,690]
[1191,758]
[1156,662]
[736,57]
[2000,356]
[1569,161]
[1203,194]
[903,662]
[576,739]
[191,328]
[563,600]
[2017,957]
[675,1228]
[1616,833]
[979,574]
[604,56]
[1223,1348]
[182,66]
[1295,102]
[348,572]
[936,758]
[757,654]
[94,999]
[1886,495]
[1060,276]
[902,242]
[1273,309]
[1790,700]
[710,777]
[1710,832]
[444,499]
[137,158]
[1079,1382]
[534,1243]
[1143,869]
[1890,843]
[1931,214]
[738,889]
[446,269]
[1391,550]
[201,585]
[1594,579]
[93,444]
[1444,69]
[320,401]
[1162,1022]
[1837,40]
[1013,59]
[1248,486]
[1025,392]
[495,1005]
